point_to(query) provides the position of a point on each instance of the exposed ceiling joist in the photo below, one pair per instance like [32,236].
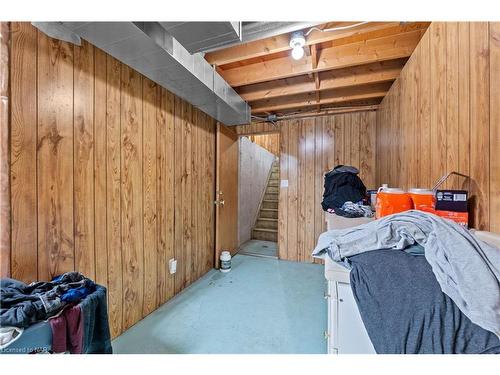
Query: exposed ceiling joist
[349,94]
[314,64]
[369,51]
[351,104]
[333,79]
[281,43]
[323,112]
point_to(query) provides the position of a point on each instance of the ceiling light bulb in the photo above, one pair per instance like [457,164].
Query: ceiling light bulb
[297,52]
[297,43]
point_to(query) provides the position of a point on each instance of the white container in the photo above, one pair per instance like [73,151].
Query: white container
[225,261]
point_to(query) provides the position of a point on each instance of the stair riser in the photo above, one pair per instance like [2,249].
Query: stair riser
[267,224]
[270,205]
[271,196]
[265,236]
[272,189]
[275,175]
[269,214]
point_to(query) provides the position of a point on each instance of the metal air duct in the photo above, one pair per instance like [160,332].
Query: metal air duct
[149,49]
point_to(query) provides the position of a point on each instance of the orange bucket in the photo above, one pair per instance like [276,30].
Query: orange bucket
[423,199]
[391,201]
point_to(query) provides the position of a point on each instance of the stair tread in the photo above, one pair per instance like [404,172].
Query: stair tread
[266,230]
[271,200]
[267,219]
[269,209]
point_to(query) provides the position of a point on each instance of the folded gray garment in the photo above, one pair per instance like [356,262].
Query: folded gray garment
[466,268]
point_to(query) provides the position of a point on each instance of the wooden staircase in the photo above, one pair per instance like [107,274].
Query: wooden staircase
[266,225]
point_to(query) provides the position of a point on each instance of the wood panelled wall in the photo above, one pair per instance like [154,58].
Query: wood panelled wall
[309,148]
[443,115]
[111,176]
[270,141]
[5,230]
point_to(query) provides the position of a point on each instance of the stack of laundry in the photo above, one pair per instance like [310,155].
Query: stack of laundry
[73,305]
[344,193]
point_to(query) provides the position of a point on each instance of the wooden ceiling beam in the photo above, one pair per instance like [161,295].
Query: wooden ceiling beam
[313,108]
[370,51]
[281,43]
[327,112]
[385,71]
[332,97]
[314,64]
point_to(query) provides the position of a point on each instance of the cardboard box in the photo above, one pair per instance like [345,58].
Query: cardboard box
[451,200]
[461,218]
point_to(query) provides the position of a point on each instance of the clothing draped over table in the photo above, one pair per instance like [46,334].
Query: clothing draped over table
[466,268]
[74,306]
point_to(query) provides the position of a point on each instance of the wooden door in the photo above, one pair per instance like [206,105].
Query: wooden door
[226,192]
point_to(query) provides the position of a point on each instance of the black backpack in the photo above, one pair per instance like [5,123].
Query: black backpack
[342,184]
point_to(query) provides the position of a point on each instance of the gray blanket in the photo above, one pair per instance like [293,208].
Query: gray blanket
[467,269]
[415,317]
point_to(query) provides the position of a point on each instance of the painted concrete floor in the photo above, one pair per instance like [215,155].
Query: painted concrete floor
[259,248]
[262,306]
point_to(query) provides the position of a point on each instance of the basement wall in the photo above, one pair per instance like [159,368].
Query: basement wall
[111,175]
[310,147]
[254,166]
[443,115]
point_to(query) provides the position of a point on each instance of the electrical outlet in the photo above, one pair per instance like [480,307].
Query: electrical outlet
[172,266]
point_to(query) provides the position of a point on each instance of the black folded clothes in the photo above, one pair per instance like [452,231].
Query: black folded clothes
[22,305]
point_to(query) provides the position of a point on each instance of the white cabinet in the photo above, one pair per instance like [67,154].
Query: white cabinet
[346,331]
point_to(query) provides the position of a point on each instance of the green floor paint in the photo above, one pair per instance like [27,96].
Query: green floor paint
[259,248]
[263,305]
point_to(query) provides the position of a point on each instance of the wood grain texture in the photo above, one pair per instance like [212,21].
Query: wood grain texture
[23,153]
[283,195]
[179,178]
[480,124]
[5,202]
[151,104]
[93,147]
[55,157]
[113,195]
[494,126]
[227,190]
[270,141]
[100,157]
[210,168]
[439,117]
[438,98]
[165,191]
[169,179]
[187,184]
[83,164]
[131,197]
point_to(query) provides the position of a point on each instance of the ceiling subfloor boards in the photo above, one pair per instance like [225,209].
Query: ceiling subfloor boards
[355,65]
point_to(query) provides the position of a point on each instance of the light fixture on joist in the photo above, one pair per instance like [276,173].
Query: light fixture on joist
[297,43]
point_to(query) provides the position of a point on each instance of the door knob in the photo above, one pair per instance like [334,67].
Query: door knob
[219,202]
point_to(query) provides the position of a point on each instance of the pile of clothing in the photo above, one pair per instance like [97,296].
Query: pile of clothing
[466,268]
[344,193]
[74,306]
